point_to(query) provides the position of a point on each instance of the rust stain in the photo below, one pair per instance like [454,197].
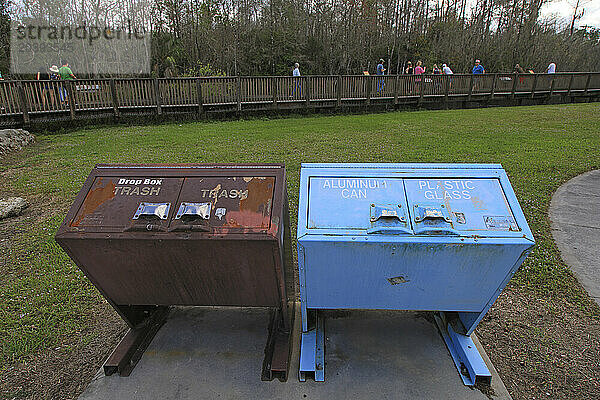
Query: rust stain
[247,219]
[255,208]
[478,204]
[94,199]
[260,192]
[216,192]
[274,227]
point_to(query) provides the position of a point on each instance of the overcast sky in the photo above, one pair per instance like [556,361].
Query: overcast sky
[564,9]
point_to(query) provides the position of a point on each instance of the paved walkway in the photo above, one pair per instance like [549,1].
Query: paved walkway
[210,353]
[575,216]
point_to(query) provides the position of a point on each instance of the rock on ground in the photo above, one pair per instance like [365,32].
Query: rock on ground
[14,139]
[12,207]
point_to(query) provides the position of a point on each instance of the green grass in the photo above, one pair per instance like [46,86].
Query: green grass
[43,296]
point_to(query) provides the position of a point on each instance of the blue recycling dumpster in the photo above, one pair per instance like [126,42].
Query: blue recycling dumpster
[431,237]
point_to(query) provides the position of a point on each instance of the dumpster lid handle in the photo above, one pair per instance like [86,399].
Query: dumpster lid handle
[159,210]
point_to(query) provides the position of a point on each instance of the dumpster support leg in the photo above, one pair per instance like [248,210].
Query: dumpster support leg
[277,351]
[312,350]
[129,351]
[468,361]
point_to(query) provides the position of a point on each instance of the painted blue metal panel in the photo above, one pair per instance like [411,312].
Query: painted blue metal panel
[345,202]
[494,173]
[404,276]
[438,237]
[472,204]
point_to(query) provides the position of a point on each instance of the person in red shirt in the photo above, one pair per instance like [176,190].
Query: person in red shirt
[418,71]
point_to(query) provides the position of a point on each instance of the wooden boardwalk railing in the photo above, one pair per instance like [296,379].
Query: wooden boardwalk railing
[24,102]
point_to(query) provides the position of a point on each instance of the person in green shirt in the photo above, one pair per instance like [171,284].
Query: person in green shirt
[66,73]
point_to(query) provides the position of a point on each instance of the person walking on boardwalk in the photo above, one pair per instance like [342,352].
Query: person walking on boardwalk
[447,71]
[551,70]
[380,71]
[437,81]
[43,75]
[409,69]
[477,70]
[419,70]
[519,70]
[296,84]
[54,75]
[66,75]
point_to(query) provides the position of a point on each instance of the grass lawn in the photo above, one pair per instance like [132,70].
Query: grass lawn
[48,309]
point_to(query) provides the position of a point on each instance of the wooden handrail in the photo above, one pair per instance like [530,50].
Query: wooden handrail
[22,101]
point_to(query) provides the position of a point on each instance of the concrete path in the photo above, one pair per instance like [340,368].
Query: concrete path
[209,353]
[575,216]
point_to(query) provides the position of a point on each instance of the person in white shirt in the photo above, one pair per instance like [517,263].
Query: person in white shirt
[446,70]
[551,68]
[297,86]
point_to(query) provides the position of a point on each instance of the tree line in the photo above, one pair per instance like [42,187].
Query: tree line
[266,37]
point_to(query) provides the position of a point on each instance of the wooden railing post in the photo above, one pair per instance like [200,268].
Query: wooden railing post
[493,91]
[368,83]
[421,90]
[339,91]
[514,88]
[470,87]
[274,90]
[113,95]
[551,87]
[570,84]
[587,84]
[446,88]
[71,97]
[306,91]
[239,93]
[396,82]
[24,103]
[199,96]
[535,78]
[157,96]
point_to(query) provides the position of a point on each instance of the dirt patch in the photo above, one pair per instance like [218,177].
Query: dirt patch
[543,347]
[64,371]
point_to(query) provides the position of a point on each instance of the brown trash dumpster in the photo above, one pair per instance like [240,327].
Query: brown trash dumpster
[150,236]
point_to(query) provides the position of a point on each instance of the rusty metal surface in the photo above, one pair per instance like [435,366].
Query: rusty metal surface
[111,203]
[129,351]
[235,204]
[278,348]
[219,239]
[182,272]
